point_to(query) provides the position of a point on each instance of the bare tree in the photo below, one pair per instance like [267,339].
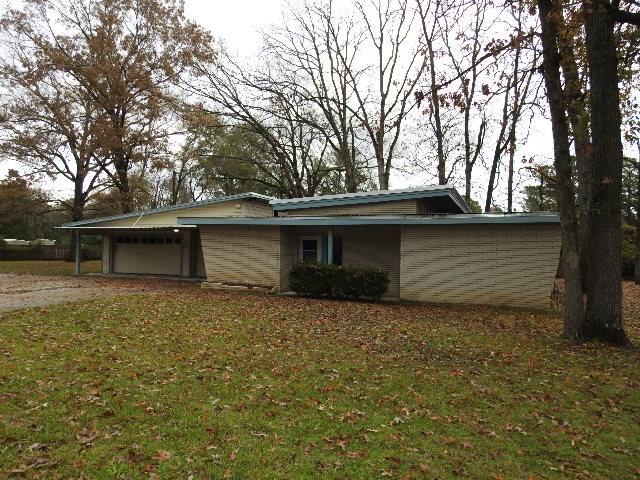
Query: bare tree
[463,56]
[293,155]
[316,54]
[517,68]
[399,64]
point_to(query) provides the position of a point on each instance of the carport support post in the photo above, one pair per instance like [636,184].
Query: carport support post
[330,246]
[77,234]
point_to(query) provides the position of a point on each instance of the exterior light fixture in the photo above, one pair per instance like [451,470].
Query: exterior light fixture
[176,230]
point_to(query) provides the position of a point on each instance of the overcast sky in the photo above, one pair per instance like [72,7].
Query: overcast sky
[238,24]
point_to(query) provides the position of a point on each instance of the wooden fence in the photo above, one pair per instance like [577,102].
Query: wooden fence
[45,252]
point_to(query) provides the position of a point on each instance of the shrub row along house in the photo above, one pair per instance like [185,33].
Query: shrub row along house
[427,240]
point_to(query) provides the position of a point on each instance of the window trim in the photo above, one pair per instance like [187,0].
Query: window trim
[317,238]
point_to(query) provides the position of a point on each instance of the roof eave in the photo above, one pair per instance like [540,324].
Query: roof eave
[376,197]
[213,201]
[444,220]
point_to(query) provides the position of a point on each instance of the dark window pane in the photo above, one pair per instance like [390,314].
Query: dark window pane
[152,240]
[160,239]
[309,244]
[337,250]
[309,255]
[136,239]
[177,240]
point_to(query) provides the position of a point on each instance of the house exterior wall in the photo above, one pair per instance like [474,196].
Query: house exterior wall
[234,208]
[374,247]
[361,247]
[401,207]
[512,265]
[242,255]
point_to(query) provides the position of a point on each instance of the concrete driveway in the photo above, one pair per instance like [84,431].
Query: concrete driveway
[24,291]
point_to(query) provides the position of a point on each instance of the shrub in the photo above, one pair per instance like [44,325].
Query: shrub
[319,279]
[310,278]
[3,244]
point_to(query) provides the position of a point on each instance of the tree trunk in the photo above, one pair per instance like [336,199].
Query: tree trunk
[603,318]
[435,104]
[512,154]
[573,315]
[579,121]
[77,211]
[636,271]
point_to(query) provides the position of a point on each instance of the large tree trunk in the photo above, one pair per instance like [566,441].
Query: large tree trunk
[573,315]
[636,270]
[603,318]
[579,121]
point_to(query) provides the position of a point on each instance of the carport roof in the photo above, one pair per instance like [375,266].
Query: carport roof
[441,219]
[180,206]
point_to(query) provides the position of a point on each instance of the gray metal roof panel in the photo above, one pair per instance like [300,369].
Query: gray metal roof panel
[371,197]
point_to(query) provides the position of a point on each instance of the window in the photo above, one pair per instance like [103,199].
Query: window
[311,248]
[148,239]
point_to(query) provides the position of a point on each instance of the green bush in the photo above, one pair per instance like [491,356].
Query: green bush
[3,244]
[319,279]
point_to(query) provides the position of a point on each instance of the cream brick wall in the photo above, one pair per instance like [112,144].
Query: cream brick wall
[374,247]
[242,255]
[511,265]
[401,207]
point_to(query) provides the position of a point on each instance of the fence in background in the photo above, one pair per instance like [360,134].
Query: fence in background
[45,252]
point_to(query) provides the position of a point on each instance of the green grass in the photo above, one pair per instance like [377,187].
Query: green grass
[216,384]
[48,267]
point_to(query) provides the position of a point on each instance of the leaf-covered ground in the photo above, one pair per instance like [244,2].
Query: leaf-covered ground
[49,267]
[203,384]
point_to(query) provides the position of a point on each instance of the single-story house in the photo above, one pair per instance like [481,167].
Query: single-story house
[433,248]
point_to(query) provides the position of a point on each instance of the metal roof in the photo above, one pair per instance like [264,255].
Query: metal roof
[211,201]
[441,219]
[372,197]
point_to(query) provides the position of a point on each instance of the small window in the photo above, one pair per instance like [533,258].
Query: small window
[160,240]
[144,240]
[310,249]
[127,239]
[136,239]
[119,240]
[152,240]
[177,240]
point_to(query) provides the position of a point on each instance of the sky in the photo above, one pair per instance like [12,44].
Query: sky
[237,24]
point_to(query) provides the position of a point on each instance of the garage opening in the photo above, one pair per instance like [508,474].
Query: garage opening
[156,253]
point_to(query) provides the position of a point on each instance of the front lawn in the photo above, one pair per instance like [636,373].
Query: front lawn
[48,267]
[204,384]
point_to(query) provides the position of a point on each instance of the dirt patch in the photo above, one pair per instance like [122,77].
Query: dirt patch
[23,291]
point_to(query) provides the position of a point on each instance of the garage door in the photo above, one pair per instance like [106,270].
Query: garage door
[154,255]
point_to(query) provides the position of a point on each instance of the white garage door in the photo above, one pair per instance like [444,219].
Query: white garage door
[155,255]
